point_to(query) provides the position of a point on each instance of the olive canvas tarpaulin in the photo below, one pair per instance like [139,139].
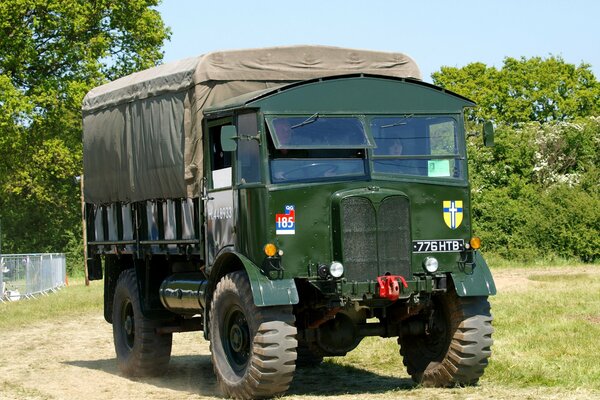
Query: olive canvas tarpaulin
[142,133]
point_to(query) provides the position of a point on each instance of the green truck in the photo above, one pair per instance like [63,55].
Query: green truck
[288,202]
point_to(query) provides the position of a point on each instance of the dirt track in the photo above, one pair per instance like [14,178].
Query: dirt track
[74,359]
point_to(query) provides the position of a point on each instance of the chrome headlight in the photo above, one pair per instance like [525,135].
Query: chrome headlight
[430,264]
[336,269]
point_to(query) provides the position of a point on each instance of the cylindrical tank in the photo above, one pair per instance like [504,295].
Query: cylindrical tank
[184,293]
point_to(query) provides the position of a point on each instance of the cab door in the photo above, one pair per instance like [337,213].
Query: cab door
[218,196]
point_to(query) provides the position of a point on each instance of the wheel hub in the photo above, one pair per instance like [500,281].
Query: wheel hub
[128,325]
[237,339]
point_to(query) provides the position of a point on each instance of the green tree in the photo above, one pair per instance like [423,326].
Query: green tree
[525,90]
[536,193]
[51,53]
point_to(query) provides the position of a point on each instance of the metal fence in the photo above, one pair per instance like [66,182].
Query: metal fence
[28,275]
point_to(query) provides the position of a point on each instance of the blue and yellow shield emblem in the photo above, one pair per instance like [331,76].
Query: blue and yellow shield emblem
[453,213]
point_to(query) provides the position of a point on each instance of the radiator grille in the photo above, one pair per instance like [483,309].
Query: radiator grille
[359,237]
[394,244]
[375,243]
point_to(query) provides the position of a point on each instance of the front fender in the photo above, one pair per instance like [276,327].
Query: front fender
[267,292]
[479,283]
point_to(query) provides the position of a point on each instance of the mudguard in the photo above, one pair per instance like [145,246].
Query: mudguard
[478,283]
[267,292]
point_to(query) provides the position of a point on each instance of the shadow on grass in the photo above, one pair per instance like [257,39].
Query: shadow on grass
[334,379]
[194,374]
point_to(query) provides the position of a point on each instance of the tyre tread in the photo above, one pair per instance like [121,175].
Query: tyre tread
[468,351]
[151,352]
[272,363]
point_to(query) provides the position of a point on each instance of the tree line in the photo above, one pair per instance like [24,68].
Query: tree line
[535,194]
[52,52]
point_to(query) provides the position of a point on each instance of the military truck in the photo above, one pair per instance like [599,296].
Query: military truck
[288,202]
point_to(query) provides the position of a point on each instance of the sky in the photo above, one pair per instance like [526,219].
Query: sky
[434,33]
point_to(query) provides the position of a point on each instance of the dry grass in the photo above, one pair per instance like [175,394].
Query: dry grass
[72,300]
[546,341]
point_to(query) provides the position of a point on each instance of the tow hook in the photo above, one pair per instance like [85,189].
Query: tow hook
[389,287]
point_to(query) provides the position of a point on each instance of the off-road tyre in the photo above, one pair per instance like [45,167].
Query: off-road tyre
[455,352]
[140,350]
[253,349]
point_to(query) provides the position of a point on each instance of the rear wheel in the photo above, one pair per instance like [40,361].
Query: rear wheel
[455,349]
[140,350]
[253,349]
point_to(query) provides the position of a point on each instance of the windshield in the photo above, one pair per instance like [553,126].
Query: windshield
[317,132]
[421,146]
[314,148]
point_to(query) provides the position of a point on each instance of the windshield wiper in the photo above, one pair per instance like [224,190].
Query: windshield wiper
[397,123]
[307,121]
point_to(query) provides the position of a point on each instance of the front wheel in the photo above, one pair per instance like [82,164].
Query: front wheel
[455,349]
[140,350]
[253,349]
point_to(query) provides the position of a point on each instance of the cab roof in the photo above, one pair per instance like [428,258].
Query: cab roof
[253,99]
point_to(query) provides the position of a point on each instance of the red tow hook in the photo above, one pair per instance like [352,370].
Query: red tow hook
[389,288]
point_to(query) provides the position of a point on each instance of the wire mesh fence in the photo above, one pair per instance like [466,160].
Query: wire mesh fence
[29,275]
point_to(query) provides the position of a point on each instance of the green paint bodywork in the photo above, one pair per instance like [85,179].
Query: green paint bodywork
[313,241]
[476,281]
[269,292]
[316,203]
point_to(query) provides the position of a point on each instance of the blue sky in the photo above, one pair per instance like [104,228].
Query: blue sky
[435,32]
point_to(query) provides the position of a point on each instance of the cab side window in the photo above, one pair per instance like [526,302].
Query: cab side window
[248,150]
[220,161]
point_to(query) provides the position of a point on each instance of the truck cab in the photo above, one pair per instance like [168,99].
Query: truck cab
[367,172]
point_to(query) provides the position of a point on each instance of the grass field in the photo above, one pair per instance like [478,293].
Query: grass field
[546,340]
[547,334]
[72,300]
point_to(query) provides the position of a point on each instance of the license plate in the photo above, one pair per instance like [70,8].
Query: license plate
[438,246]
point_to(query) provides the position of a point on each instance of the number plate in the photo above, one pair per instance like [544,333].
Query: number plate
[438,246]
